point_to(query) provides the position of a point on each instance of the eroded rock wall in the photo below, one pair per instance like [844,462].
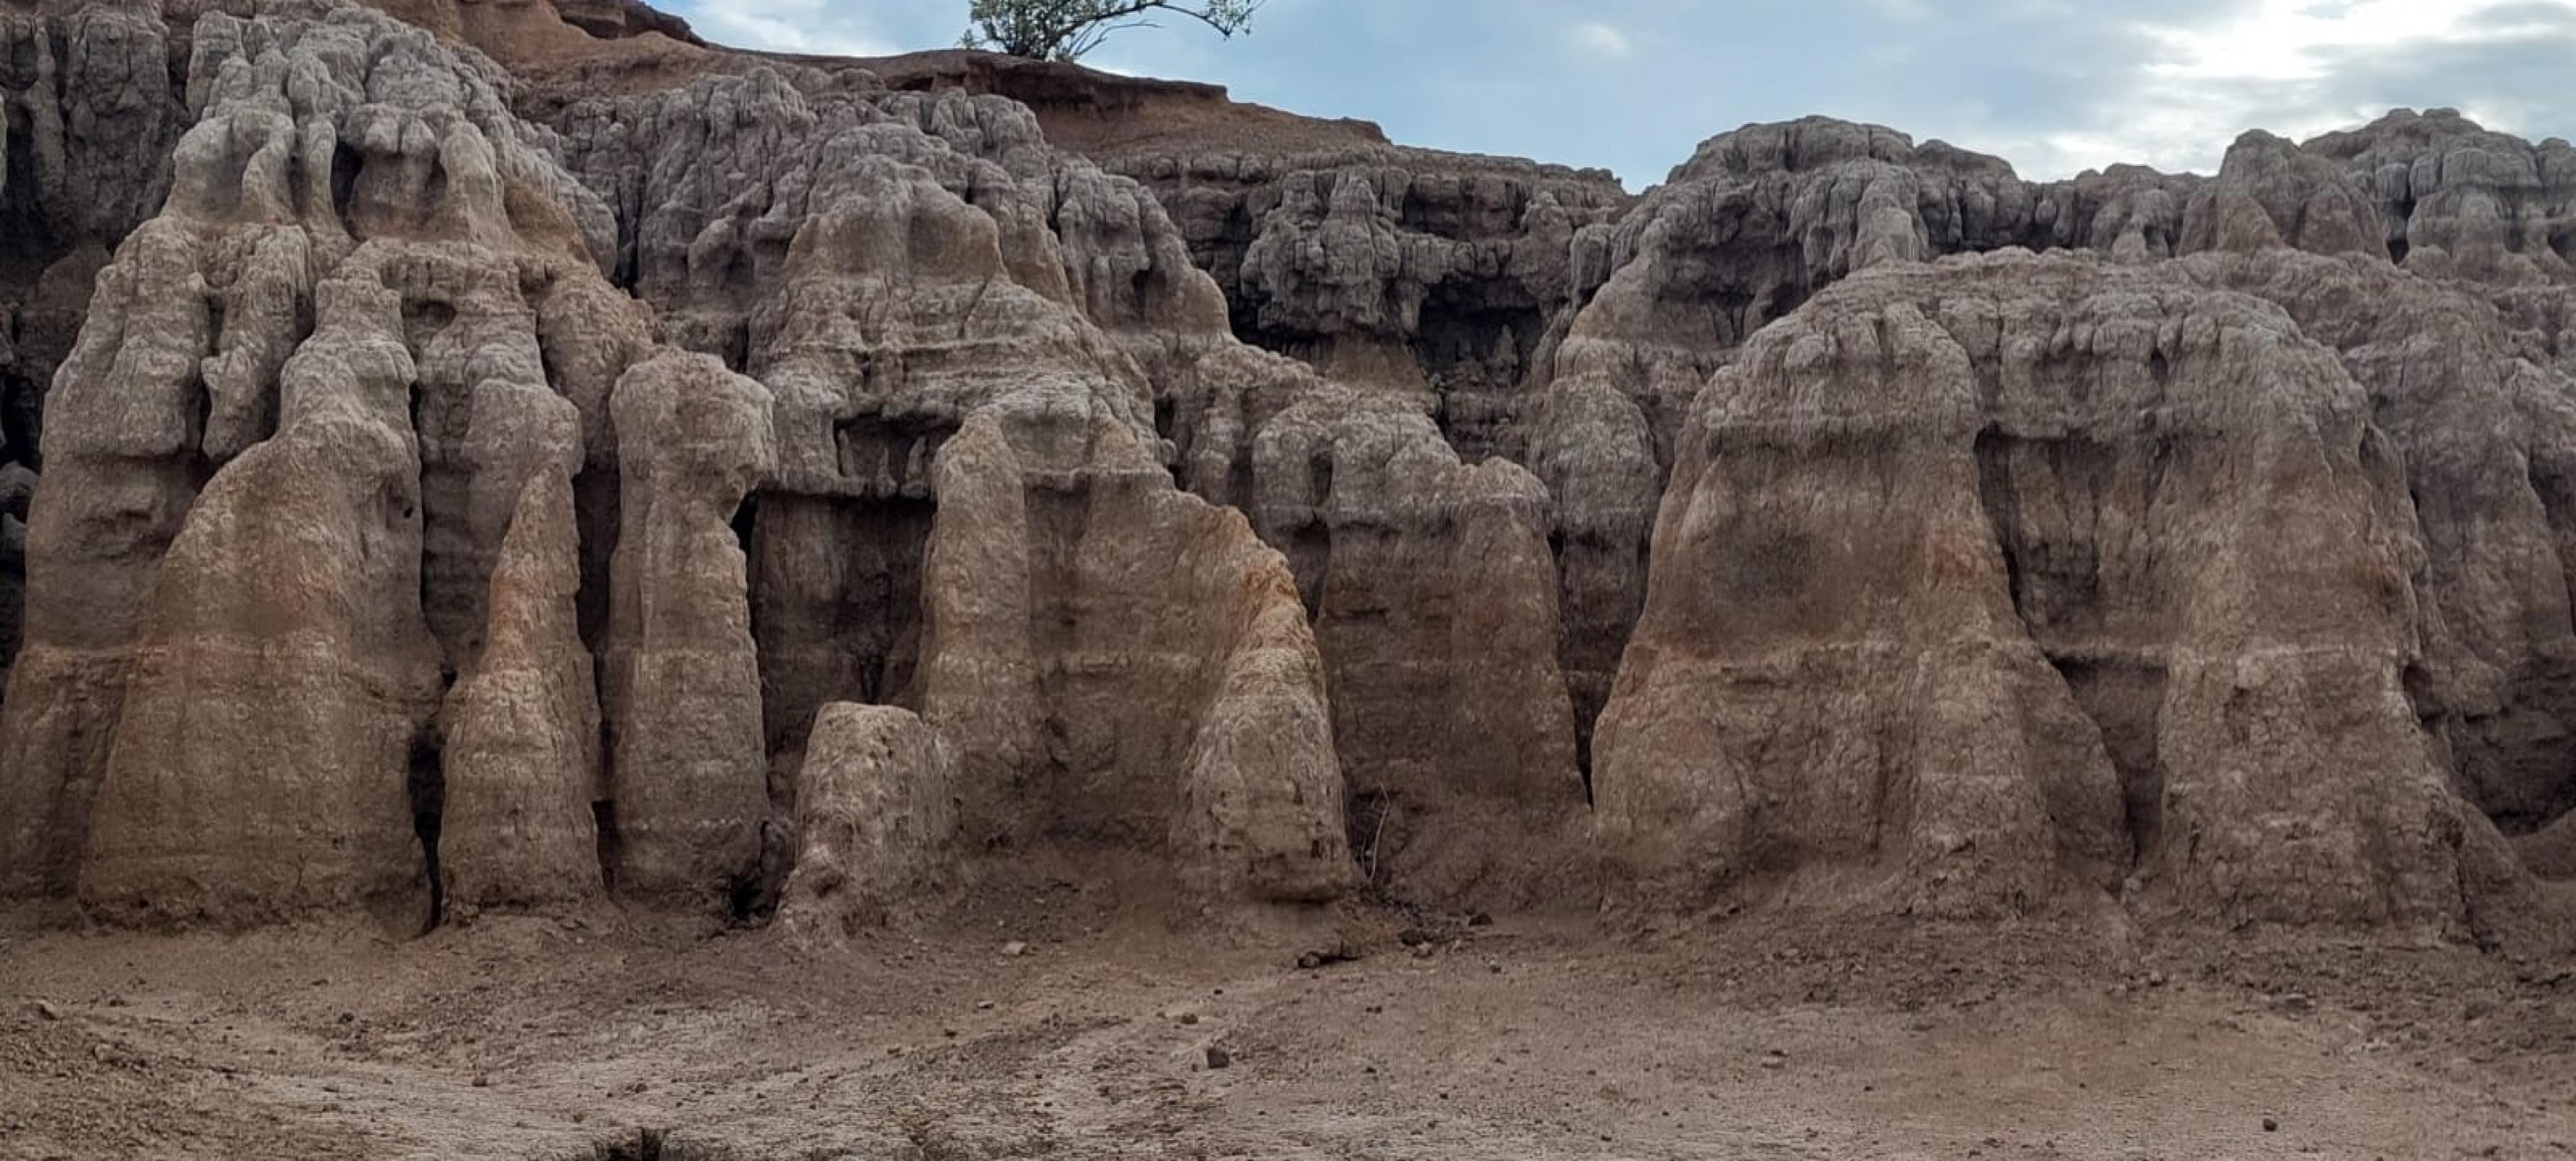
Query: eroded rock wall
[1433,597]
[679,671]
[290,441]
[374,333]
[1758,221]
[2060,567]
[1237,497]
[876,822]
[88,115]
[891,263]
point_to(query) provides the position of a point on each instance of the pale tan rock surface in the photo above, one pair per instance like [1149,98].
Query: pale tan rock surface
[91,120]
[2487,438]
[1433,597]
[901,269]
[266,553]
[264,754]
[522,758]
[1248,508]
[876,815]
[1757,221]
[679,676]
[1120,664]
[1942,534]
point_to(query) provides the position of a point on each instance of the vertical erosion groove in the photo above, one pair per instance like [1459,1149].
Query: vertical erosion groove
[2054,580]
[427,784]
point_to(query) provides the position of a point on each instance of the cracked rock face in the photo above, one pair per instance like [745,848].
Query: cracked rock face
[2455,200]
[247,392]
[969,515]
[680,674]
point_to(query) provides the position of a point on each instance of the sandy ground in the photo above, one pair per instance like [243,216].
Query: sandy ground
[545,1039]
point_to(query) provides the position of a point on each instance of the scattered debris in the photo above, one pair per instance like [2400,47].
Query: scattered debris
[1320,959]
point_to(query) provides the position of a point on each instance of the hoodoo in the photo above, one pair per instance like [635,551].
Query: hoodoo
[463,458]
[571,592]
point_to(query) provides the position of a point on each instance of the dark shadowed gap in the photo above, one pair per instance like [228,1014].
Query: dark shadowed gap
[427,784]
[1586,715]
[645,1145]
[603,817]
[1475,354]
[595,513]
[2054,586]
[1310,545]
[345,163]
[1376,827]
[835,590]
[746,521]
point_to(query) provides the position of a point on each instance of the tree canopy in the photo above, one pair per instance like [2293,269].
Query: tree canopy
[1068,29]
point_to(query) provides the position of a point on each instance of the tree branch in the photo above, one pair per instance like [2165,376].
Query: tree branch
[1069,29]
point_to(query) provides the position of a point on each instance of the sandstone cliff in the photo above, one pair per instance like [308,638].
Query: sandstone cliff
[2127,585]
[463,455]
[545,480]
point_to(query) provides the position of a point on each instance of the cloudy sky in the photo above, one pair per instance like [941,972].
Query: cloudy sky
[2056,86]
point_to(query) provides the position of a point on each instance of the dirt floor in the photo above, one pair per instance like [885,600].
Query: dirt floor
[1044,1030]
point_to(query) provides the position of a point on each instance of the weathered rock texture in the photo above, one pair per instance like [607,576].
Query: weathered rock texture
[476,467]
[262,761]
[1426,275]
[1061,301]
[1404,269]
[1433,599]
[680,675]
[1990,549]
[2455,200]
[522,768]
[480,438]
[1745,232]
[88,116]
[875,819]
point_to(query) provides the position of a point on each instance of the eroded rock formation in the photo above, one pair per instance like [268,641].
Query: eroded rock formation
[522,757]
[2000,546]
[88,116]
[482,470]
[2455,200]
[1434,602]
[679,674]
[514,454]
[875,818]
[1744,233]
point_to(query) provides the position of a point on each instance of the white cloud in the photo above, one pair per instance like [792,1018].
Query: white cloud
[806,26]
[2285,40]
[2294,67]
[1602,42]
